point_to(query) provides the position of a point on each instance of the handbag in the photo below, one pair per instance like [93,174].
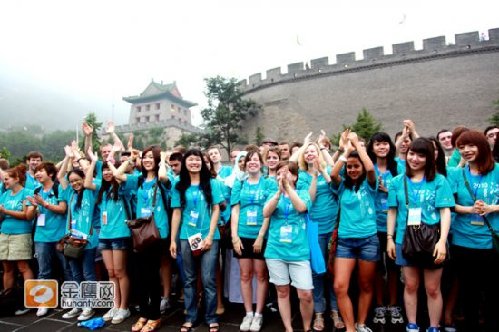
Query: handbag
[144,231]
[316,258]
[420,240]
[495,237]
[73,247]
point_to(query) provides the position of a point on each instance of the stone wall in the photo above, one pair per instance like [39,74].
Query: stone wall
[440,86]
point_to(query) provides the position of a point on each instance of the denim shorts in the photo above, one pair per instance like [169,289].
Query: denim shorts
[122,243]
[365,249]
[299,272]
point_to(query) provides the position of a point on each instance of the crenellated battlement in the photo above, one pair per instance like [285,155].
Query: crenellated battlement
[436,47]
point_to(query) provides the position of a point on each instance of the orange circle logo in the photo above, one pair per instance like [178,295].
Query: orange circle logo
[41,293]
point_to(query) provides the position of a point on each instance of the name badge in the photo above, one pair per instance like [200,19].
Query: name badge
[145,212]
[286,234]
[104,217]
[193,220]
[414,218]
[477,220]
[251,217]
[40,221]
[384,204]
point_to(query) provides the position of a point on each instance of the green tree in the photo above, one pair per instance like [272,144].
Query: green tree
[494,119]
[188,140]
[5,153]
[259,137]
[365,126]
[225,112]
[91,119]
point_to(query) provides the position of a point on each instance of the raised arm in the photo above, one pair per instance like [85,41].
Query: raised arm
[163,168]
[89,175]
[88,130]
[364,157]
[61,175]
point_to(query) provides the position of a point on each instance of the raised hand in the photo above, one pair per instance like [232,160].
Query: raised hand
[110,127]
[87,129]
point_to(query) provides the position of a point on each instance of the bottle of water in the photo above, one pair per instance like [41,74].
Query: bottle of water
[93,324]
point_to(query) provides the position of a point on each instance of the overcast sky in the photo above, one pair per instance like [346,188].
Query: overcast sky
[96,52]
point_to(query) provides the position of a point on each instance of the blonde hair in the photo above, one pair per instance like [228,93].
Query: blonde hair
[301,156]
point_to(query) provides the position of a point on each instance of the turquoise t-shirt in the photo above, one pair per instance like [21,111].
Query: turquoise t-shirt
[251,199]
[54,227]
[81,219]
[429,196]
[31,182]
[15,202]
[454,159]
[324,209]
[401,164]
[196,214]
[287,238]
[113,215]
[470,230]
[224,172]
[145,201]
[357,211]
[382,197]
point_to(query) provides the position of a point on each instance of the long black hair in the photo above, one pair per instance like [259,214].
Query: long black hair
[440,161]
[425,147]
[185,178]
[79,194]
[113,184]
[391,163]
[156,154]
[349,183]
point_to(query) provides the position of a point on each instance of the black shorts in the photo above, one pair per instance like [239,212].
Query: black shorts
[385,264]
[247,251]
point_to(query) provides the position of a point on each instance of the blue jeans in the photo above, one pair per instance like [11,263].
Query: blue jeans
[322,282]
[45,252]
[208,260]
[83,268]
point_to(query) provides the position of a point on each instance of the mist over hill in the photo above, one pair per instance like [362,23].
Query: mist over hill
[26,102]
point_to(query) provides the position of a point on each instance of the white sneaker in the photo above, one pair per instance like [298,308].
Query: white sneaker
[42,311]
[165,305]
[246,324]
[110,314]
[86,314]
[396,315]
[22,311]
[256,324]
[72,313]
[120,316]
[362,328]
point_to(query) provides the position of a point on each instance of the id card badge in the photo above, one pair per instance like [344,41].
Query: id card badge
[477,220]
[414,217]
[40,221]
[286,233]
[251,217]
[145,212]
[104,217]
[193,220]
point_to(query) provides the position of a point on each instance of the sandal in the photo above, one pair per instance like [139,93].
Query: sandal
[318,322]
[214,327]
[185,327]
[151,325]
[338,322]
[137,327]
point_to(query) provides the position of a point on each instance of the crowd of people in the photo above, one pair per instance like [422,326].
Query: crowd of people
[417,209]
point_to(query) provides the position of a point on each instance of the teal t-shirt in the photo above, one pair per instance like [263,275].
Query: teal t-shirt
[224,172]
[113,215]
[10,225]
[357,211]
[31,183]
[52,226]
[454,159]
[324,209]
[80,219]
[382,197]
[470,230]
[145,200]
[287,238]
[196,214]
[251,199]
[401,164]
[429,196]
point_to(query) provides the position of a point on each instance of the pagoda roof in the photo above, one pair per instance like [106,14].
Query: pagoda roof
[157,91]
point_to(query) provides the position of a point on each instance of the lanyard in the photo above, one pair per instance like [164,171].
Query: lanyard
[146,188]
[195,196]
[383,175]
[414,191]
[254,194]
[474,184]
[287,208]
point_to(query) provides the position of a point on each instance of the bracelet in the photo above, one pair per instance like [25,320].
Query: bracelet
[322,149]
[343,159]
[389,236]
